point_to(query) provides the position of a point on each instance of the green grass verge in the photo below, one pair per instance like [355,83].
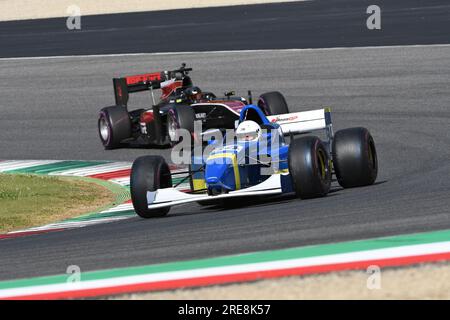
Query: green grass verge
[33,200]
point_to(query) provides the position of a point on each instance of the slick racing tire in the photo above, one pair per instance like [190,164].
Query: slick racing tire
[272,103]
[114,125]
[309,166]
[354,157]
[179,117]
[148,173]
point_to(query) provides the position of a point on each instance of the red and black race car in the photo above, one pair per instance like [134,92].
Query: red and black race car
[180,104]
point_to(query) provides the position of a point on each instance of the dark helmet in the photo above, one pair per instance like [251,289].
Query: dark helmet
[187,82]
[193,93]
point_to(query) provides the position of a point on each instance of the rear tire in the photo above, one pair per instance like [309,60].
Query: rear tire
[309,167]
[149,173]
[179,117]
[272,103]
[114,125]
[355,157]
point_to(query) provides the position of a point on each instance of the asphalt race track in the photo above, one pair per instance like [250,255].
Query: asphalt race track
[402,94]
[306,24]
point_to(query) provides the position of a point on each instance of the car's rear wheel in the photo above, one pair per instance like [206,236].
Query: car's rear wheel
[272,103]
[149,173]
[114,126]
[179,117]
[309,167]
[354,157]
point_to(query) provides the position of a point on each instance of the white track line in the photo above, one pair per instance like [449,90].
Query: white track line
[23,164]
[96,169]
[124,182]
[367,255]
[120,207]
[73,224]
[220,52]
[83,223]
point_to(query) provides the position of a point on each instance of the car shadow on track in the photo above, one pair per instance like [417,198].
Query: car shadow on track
[257,201]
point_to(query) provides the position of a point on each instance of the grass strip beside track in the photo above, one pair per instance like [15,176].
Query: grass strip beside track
[28,200]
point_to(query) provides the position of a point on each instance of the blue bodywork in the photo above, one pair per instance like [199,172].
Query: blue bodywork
[234,164]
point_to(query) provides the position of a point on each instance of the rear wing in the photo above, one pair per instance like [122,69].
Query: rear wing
[301,122]
[147,81]
[126,85]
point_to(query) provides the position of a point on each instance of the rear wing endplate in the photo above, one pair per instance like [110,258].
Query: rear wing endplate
[301,122]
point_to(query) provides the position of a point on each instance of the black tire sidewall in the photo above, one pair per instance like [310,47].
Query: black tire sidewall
[304,167]
[172,116]
[351,160]
[104,116]
[148,173]
[183,116]
[119,125]
[273,103]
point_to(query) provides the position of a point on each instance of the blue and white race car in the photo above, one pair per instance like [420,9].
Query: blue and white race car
[267,155]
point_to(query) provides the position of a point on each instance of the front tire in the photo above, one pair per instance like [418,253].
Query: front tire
[114,126]
[272,103]
[354,157]
[149,173]
[309,166]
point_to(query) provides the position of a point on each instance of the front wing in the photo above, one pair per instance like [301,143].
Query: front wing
[169,197]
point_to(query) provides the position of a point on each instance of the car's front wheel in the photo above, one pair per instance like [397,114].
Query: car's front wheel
[309,167]
[149,173]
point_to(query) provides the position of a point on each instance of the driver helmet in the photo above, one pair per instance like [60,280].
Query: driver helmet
[248,130]
[193,94]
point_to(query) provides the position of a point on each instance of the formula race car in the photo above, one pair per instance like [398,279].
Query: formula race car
[258,160]
[179,105]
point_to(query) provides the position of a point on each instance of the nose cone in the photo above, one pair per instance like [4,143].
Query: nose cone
[220,174]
